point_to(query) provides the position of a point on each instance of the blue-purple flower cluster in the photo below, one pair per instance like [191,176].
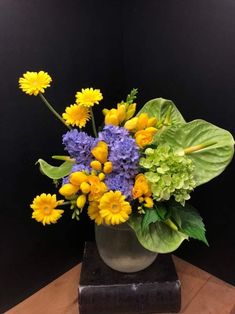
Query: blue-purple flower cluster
[79,146]
[123,153]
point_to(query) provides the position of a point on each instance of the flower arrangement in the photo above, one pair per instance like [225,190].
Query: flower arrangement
[139,168]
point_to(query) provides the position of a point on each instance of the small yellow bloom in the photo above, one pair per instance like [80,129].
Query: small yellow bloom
[111,117]
[100,152]
[68,189]
[130,111]
[44,208]
[85,187]
[113,208]
[141,187]
[101,176]
[98,188]
[33,83]
[81,201]
[142,121]
[76,178]
[108,167]
[76,115]
[148,202]
[88,97]
[131,124]
[94,213]
[121,113]
[96,165]
[145,137]
[152,122]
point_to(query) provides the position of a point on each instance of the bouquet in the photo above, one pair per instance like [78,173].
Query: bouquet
[139,168]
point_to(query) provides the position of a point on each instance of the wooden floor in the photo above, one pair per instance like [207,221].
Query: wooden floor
[202,293]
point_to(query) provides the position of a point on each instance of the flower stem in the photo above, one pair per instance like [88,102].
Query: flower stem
[195,148]
[66,203]
[93,123]
[53,110]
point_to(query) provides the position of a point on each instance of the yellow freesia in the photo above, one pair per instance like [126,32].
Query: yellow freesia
[145,137]
[76,178]
[68,189]
[100,152]
[81,201]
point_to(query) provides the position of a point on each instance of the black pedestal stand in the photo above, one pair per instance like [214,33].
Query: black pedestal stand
[106,291]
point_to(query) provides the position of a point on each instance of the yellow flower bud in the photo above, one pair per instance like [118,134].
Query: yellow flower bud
[121,112]
[85,187]
[81,201]
[100,152]
[142,121]
[96,165]
[108,167]
[152,122]
[112,117]
[101,176]
[105,111]
[145,137]
[68,189]
[76,178]
[148,202]
[131,124]
[130,111]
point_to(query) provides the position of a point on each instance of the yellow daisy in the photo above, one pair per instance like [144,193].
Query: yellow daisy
[113,208]
[88,97]
[44,208]
[76,115]
[94,213]
[33,83]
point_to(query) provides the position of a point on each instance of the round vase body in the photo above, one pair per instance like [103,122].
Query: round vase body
[120,249]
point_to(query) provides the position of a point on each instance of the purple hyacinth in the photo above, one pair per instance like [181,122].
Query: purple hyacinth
[124,155]
[117,182]
[112,134]
[79,146]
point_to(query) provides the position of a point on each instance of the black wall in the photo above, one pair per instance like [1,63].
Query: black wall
[180,50]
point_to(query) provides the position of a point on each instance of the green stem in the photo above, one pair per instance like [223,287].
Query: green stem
[65,158]
[53,110]
[66,203]
[93,123]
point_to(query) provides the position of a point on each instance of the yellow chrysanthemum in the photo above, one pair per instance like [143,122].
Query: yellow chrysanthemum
[88,97]
[44,209]
[113,208]
[76,115]
[94,213]
[33,83]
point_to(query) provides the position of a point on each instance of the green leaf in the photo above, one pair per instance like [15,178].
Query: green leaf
[55,172]
[189,221]
[216,152]
[150,216]
[158,237]
[164,110]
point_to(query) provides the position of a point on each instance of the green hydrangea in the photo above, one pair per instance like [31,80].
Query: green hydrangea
[170,173]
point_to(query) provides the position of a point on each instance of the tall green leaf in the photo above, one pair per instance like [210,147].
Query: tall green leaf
[188,221]
[54,172]
[217,147]
[158,236]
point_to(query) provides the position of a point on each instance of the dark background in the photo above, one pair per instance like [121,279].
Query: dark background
[180,50]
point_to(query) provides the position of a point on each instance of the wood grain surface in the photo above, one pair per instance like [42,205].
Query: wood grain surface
[202,293]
